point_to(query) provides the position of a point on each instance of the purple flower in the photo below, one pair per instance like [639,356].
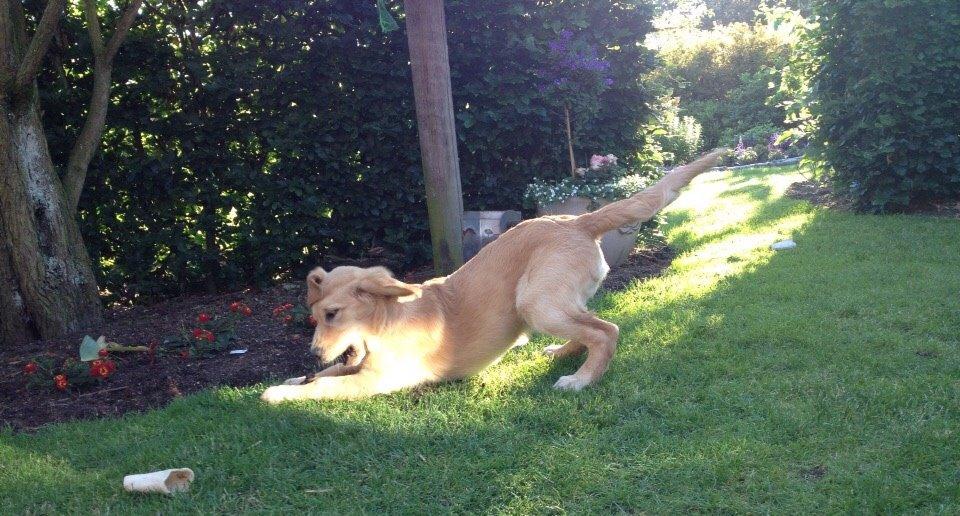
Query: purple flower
[573,63]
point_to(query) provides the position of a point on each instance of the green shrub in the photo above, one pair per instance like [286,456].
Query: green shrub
[722,78]
[747,156]
[751,136]
[878,90]
[679,137]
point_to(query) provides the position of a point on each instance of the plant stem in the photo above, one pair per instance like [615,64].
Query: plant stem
[573,161]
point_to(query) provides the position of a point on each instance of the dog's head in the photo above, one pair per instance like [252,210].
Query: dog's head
[348,304]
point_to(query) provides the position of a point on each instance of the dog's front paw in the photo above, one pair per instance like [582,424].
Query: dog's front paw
[279,393]
[570,383]
[295,381]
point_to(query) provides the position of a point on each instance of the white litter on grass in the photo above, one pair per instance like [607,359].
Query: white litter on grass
[784,244]
[167,481]
[237,351]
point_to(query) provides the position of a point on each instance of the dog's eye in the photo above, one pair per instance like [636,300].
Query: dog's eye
[331,314]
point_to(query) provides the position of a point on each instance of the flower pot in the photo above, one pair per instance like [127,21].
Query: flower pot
[482,227]
[616,244]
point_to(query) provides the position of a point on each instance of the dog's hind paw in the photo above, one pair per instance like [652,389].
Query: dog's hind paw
[551,351]
[570,383]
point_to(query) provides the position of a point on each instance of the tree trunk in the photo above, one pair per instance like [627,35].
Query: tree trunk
[56,289]
[573,160]
[430,66]
[14,323]
[47,286]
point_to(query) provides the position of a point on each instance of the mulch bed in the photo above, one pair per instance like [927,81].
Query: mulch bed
[818,195]
[822,195]
[141,381]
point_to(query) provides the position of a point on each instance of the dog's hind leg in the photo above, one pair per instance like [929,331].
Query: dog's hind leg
[552,298]
[599,337]
[570,348]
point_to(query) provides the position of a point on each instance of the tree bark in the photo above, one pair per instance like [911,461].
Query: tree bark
[14,323]
[573,160]
[47,284]
[430,65]
[89,138]
[56,283]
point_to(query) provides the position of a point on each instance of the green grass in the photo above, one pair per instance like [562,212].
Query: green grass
[739,372]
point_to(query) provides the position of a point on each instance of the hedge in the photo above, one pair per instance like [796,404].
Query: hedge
[255,139]
[884,100]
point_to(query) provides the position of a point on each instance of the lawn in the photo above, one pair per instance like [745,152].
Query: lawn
[824,378]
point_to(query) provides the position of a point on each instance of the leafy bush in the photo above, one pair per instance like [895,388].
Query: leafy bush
[722,78]
[747,156]
[256,139]
[754,135]
[874,88]
[680,136]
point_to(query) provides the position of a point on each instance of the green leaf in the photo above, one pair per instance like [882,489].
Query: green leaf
[387,23]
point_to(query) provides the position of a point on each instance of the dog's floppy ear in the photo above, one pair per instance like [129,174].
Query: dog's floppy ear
[379,282]
[314,279]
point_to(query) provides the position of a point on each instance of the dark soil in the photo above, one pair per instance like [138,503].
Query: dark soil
[815,473]
[642,264]
[822,195]
[818,195]
[143,381]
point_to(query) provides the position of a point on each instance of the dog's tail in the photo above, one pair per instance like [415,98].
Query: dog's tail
[644,205]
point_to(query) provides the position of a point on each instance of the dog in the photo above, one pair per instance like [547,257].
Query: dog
[382,335]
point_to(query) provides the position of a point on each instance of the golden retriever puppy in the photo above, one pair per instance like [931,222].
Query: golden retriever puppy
[383,335]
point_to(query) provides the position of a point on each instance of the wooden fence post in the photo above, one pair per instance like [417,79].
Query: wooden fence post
[430,65]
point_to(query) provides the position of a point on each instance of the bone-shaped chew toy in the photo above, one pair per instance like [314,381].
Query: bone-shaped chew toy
[166,482]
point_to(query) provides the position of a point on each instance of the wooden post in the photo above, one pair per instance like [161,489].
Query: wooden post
[430,65]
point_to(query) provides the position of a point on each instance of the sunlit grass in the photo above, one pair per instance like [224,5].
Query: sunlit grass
[820,379]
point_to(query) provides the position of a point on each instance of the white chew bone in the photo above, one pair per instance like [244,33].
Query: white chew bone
[167,481]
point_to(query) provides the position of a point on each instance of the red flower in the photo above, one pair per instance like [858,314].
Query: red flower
[312,320]
[278,310]
[208,336]
[185,354]
[102,368]
[288,319]
[246,311]
[203,318]
[198,333]
[287,306]
[103,352]
[30,368]
[236,306]
[60,382]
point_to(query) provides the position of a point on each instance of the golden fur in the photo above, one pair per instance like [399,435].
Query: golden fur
[537,276]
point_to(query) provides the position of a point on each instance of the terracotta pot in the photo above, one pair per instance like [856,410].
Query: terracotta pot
[616,245]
